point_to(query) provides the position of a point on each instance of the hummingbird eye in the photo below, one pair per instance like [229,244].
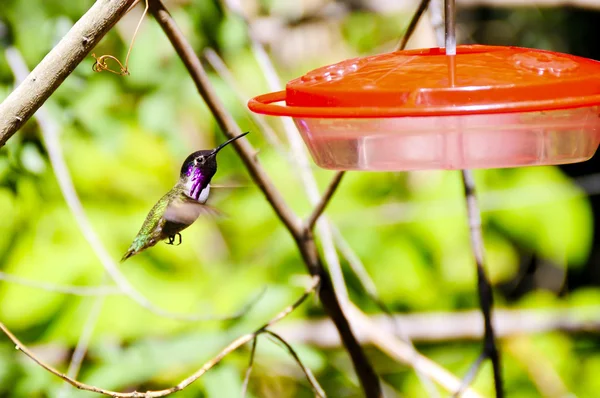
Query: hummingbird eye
[199,160]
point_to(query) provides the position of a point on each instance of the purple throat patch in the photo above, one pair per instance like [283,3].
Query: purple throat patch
[197,181]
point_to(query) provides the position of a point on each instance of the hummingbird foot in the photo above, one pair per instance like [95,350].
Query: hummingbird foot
[172,239]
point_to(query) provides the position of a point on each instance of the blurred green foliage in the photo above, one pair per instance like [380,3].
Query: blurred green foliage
[124,140]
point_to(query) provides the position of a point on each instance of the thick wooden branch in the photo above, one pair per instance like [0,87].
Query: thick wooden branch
[22,103]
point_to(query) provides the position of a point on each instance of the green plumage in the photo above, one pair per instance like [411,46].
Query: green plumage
[157,227]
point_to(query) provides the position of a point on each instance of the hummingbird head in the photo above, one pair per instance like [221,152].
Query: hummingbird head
[199,168]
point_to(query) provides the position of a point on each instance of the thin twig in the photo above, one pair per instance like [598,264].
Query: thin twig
[222,116]
[484,287]
[50,135]
[412,25]
[471,374]
[100,65]
[309,375]
[250,366]
[83,343]
[299,158]
[63,289]
[184,383]
[490,350]
[217,63]
[357,266]
[325,199]
[22,103]
[305,243]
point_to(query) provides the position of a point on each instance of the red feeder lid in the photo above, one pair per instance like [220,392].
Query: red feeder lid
[426,82]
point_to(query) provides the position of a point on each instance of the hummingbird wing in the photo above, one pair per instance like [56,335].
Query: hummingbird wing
[171,215]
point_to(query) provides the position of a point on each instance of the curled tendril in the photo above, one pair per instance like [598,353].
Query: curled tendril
[100,65]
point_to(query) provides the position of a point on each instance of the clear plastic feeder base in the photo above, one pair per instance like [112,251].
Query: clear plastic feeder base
[453,142]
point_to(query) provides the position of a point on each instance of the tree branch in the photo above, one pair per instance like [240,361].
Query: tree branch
[305,242]
[217,63]
[250,366]
[22,103]
[486,301]
[184,383]
[412,25]
[320,207]
[309,376]
[64,289]
[300,160]
[222,116]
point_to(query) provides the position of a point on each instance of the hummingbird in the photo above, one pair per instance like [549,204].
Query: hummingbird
[183,204]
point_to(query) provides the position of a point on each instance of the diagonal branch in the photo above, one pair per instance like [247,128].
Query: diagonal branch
[250,366]
[305,242]
[224,119]
[300,160]
[309,376]
[413,24]
[217,63]
[22,103]
[320,207]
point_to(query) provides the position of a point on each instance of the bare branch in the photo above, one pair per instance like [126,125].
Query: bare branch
[309,376]
[320,207]
[22,103]
[490,350]
[412,25]
[305,242]
[250,365]
[224,119]
[357,267]
[64,289]
[83,343]
[470,376]
[219,66]
[300,158]
[184,383]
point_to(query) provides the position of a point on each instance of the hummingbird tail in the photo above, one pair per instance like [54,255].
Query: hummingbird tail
[139,244]
[128,254]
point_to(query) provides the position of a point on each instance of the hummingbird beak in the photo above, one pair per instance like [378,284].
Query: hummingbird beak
[229,141]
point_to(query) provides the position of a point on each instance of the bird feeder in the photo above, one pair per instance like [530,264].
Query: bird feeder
[477,107]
